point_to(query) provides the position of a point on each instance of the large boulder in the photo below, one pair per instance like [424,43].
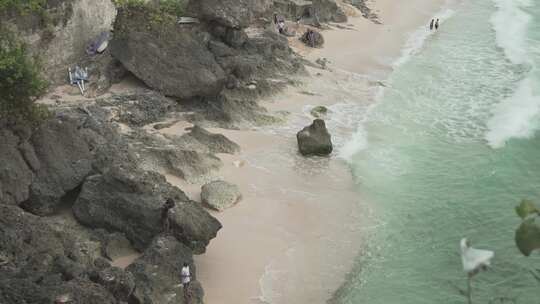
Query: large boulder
[130,201]
[65,160]
[170,58]
[220,195]
[315,139]
[15,174]
[312,39]
[157,272]
[328,10]
[231,13]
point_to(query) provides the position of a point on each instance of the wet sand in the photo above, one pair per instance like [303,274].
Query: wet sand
[294,236]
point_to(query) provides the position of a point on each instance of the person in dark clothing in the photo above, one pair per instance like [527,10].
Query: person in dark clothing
[437,24]
[169,204]
[431,24]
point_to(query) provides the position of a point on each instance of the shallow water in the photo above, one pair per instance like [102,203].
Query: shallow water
[447,152]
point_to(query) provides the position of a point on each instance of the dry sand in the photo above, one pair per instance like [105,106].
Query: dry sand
[294,236]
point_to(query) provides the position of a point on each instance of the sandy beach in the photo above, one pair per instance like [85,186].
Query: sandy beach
[298,216]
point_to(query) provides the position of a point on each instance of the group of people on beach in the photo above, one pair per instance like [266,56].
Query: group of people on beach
[185,273]
[434,24]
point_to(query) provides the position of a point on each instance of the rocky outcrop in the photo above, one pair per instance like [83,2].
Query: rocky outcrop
[130,201]
[40,264]
[205,141]
[231,13]
[157,272]
[220,195]
[315,139]
[15,174]
[65,160]
[170,58]
[328,10]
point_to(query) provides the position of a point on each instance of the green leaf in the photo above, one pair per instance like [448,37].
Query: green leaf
[526,208]
[528,235]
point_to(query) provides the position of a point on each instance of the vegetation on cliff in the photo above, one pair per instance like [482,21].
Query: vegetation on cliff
[20,82]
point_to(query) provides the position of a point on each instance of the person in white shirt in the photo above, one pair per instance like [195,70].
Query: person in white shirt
[186,275]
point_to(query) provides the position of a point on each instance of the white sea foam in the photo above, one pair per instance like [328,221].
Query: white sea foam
[511,22]
[515,117]
[418,38]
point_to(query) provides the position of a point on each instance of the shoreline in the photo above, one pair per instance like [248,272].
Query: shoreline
[276,245]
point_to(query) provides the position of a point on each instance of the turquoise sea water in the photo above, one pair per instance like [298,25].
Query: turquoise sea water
[446,153]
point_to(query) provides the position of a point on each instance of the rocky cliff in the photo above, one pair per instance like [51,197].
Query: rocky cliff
[93,171]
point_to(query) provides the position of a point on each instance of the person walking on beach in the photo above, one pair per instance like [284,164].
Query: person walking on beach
[185,275]
[437,24]
[431,24]
[169,204]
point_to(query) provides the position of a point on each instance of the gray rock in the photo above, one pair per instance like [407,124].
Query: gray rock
[312,39]
[216,143]
[163,56]
[15,174]
[220,195]
[130,201]
[328,10]
[315,139]
[65,160]
[187,164]
[118,282]
[116,246]
[41,263]
[157,272]
[192,225]
[231,13]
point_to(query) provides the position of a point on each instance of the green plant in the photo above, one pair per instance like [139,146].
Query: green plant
[20,83]
[23,6]
[528,234]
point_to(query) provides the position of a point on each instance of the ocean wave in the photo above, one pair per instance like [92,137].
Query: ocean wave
[516,116]
[511,23]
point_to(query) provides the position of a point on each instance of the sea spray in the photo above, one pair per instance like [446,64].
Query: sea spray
[516,116]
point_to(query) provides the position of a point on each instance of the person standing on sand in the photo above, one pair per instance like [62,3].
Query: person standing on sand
[185,276]
[431,24]
[437,24]
[169,204]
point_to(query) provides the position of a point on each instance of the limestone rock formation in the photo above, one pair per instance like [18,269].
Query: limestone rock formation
[220,195]
[231,13]
[163,55]
[315,139]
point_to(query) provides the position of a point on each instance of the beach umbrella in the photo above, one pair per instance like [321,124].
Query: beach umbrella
[474,260]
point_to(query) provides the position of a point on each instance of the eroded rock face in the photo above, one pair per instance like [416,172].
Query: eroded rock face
[216,143]
[131,201]
[171,59]
[61,40]
[193,226]
[315,139]
[157,272]
[231,13]
[65,160]
[39,264]
[220,195]
[15,174]
[118,282]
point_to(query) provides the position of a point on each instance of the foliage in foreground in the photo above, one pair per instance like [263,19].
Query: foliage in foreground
[20,82]
[528,234]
